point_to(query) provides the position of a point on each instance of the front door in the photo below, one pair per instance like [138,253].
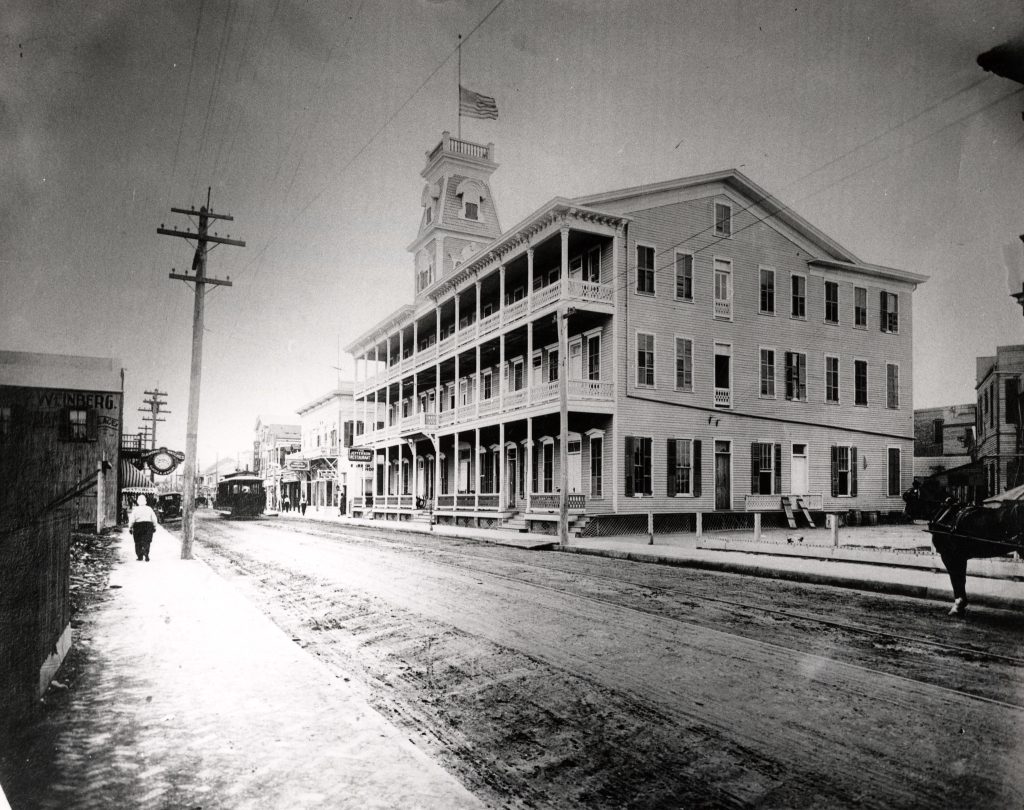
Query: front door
[575,470]
[723,475]
[798,470]
[511,477]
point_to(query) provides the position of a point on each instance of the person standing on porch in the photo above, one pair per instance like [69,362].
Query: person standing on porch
[302,503]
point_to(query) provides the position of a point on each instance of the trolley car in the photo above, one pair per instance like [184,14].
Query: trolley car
[240,495]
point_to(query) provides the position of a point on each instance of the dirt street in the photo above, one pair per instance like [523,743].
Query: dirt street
[544,679]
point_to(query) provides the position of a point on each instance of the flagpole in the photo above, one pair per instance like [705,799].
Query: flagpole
[458,89]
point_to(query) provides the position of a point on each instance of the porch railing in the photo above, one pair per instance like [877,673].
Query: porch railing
[490,324]
[488,501]
[545,392]
[591,291]
[514,399]
[546,295]
[445,501]
[486,407]
[514,311]
[590,389]
[543,500]
[466,334]
[723,397]
[773,503]
[465,501]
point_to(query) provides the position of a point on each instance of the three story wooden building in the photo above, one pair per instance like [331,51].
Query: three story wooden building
[722,353]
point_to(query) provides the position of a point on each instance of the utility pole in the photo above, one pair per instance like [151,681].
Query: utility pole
[202,238]
[154,410]
[563,424]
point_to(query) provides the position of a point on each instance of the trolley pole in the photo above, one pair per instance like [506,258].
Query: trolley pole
[154,409]
[202,238]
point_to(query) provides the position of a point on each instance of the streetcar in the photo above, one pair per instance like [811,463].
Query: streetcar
[240,495]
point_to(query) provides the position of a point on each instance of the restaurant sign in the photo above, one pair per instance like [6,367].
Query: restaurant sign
[298,464]
[360,455]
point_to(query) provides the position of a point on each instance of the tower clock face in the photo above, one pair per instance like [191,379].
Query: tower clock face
[162,463]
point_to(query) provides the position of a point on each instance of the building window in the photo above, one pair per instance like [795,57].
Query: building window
[889,306]
[831,379]
[860,382]
[553,365]
[796,376]
[5,421]
[798,297]
[516,374]
[831,302]
[844,471]
[768,373]
[723,288]
[486,391]
[680,467]
[723,219]
[645,270]
[594,357]
[472,210]
[684,276]
[79,425]
[892,385]
[895,483]
[937,425]
[1011,401]
[723,375]
[860,308]
[644,360]
[638,465]
[765,468]
[596,467]
[767,291]
[684,364]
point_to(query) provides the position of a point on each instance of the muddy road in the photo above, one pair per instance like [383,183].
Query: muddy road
[544,679]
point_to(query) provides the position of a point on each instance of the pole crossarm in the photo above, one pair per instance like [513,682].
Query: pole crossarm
[220,240]
[205,280]
[192,212]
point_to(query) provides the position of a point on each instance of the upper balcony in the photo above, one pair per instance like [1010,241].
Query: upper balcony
[577,293]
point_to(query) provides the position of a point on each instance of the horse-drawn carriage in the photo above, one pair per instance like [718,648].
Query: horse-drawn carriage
[964,531]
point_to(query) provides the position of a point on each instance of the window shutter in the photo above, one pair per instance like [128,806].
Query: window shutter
[672,467]
[695,466]
[801,373]
[629,464]
[64,428]
[755,468]
[92,428]
[853,471]
[778,469]
[835,471]
[789,375]
[883,320]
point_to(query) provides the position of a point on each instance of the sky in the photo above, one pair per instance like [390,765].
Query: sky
[309,121]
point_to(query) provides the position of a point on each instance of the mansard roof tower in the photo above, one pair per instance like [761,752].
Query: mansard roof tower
[459,215]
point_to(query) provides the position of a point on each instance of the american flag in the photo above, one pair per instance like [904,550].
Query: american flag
[475,105]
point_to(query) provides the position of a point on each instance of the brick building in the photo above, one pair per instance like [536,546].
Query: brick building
[722,353]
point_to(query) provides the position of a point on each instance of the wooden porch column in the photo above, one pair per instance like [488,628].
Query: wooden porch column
[476,470]
[528,452]
[502,468]
[564,272]
[616,468]
[501,287]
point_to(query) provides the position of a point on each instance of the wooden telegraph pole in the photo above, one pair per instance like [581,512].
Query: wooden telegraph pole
[154,409]
[202,238]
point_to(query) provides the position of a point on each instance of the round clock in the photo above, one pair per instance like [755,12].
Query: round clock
[162,462]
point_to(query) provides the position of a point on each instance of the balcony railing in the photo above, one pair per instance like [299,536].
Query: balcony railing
[723,308]
[466,334]
[515,399]
[514,311]
[446,418]
[723,397]
[543,500]
[591,291]
[446,345]
[486,407]
[545,392]
[420,421]
[490,324]
[546,295]
[590,389]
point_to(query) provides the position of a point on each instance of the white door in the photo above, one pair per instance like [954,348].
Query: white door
[575,470]
[798,470]
[576,360]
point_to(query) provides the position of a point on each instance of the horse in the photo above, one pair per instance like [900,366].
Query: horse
[961,531]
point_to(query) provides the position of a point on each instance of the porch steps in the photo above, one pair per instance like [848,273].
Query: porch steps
[803,508]
[578,524]
[421,517]
[515,522]
[788,506]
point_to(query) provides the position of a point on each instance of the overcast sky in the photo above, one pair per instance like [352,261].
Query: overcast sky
[310,121]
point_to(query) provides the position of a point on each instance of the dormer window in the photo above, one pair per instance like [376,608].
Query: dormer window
[471,193]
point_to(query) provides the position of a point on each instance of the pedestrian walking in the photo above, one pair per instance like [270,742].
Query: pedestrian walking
[302,504]
[142,524]
[287,504]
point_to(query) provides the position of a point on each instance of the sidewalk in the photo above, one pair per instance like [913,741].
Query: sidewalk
[193,698]
[881,559]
